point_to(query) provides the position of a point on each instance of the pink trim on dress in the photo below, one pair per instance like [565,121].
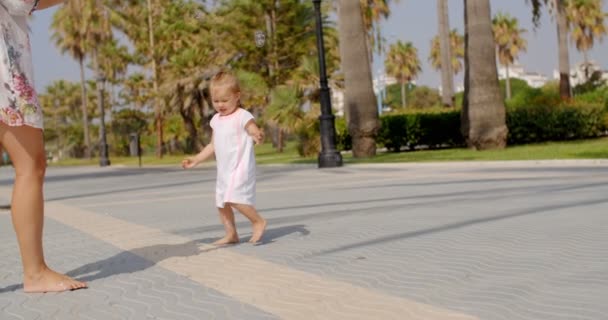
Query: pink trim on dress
[239,165]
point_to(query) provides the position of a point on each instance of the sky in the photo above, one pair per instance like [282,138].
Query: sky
[411,20]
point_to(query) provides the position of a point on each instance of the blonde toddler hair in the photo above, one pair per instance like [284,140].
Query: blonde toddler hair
[225,80]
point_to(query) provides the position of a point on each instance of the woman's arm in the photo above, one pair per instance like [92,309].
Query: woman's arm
[43,4]
[25,7]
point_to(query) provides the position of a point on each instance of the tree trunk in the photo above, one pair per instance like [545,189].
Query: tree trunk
[359,99]
[208,109]
[273,62]
[191,142]
[586,65]
[280,139]
[85,112]
[268,16]
[483,112]
[508,82]
[564,59]
[447,77]
[158,118]
[403,95]
[204,106]
[56,126]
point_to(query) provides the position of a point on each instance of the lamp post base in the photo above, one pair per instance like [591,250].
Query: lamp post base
[330,159]
[104,161]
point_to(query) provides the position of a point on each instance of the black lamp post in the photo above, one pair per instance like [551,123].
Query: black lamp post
[103,145]
[329,157]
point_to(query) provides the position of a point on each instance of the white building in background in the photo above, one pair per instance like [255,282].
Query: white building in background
[533,79]
[577,72]
[380,82]
[337,102]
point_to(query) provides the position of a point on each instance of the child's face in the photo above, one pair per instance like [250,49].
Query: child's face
[225,101]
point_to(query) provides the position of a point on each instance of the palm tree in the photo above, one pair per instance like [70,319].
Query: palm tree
[509,42]
[127,16]
[402,63]
[135,92]
[360,101]
[62,111]
[447,76]
[113,62]
[153,56]
[586,22]
[558,8]
[284,109]
[186,68]
[307,78]
[289,30]
[68,24]
[173,44]
[456,52]
[62,104]
[483,111]
[373,12]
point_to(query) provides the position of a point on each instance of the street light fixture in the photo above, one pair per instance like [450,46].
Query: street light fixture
[103,145]
[329,157]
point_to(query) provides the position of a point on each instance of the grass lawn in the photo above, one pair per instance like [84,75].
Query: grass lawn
[265,154]
[580,149]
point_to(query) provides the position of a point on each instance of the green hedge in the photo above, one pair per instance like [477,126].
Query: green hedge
[526,125]
[538,124]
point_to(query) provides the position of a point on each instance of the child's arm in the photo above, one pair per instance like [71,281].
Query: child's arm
[207,152]
[254,131]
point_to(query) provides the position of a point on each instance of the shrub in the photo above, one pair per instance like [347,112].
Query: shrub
[529,124]
[343,139]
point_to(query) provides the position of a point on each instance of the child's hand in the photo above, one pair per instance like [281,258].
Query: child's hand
[254,131]
[258,137]
[188,163]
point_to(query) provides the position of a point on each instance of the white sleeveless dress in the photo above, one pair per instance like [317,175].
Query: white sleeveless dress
[235,158]
[18,100]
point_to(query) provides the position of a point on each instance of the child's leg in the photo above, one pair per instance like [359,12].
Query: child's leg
[227,218]
[258,223]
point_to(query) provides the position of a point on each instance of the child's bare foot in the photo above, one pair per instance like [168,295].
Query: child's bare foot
[50,281]
[258,231]
[227,240]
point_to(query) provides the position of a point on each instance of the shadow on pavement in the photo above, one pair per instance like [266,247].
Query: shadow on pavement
[143,258]
[270,235]
[463,224]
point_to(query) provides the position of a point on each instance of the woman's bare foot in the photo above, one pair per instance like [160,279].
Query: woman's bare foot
[258,231]
[227,240]
[51,281]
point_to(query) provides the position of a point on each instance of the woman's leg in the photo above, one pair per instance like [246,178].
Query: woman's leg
[25,146]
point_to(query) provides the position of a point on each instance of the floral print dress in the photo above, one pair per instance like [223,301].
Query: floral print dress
[18,100]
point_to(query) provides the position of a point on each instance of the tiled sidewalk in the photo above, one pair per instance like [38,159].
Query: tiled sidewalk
[437,241]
